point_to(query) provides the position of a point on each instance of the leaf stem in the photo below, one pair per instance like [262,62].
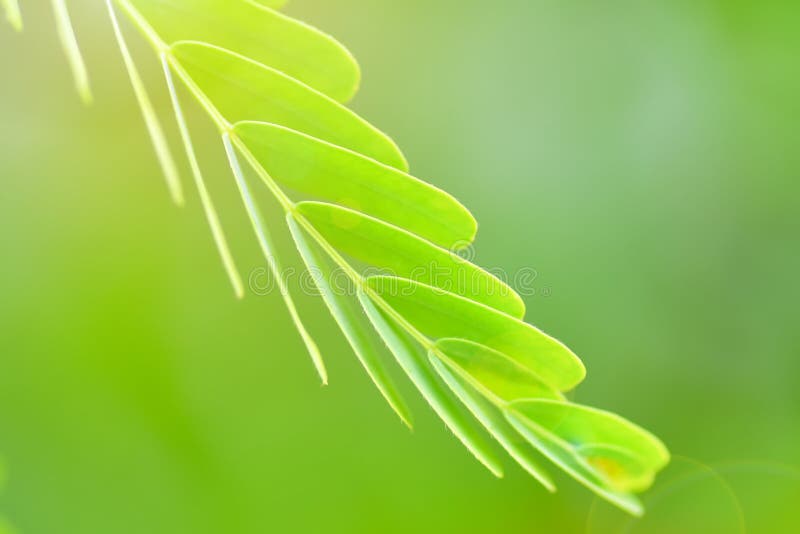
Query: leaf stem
[219,121]
[282,198]
[139,21]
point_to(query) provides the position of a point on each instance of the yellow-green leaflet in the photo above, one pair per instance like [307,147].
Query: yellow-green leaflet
[562,456]
[260,33]
[607,453]
[397,252]
[317,168]
[438,314]
[245,90]
[594,432]
[350,319]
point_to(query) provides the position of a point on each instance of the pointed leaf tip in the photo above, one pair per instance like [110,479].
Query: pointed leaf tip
[492,420]
[607,454]
[267,249]
[350,319]
[416,365]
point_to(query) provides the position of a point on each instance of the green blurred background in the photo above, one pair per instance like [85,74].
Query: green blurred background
[641,156]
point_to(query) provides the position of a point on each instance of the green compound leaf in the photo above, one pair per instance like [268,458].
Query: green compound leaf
[351,320]
[326,171]
[273,86]
[401,253]
[601,450]
[260,33]
[245,90]
[438,314]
